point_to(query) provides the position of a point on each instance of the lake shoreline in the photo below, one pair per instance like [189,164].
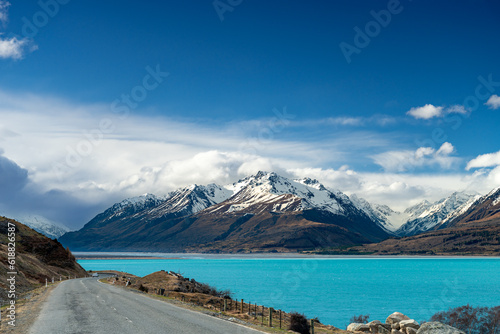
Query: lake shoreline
[186,256]
[332,288]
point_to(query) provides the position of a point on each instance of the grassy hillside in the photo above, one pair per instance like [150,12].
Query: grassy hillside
[37,258]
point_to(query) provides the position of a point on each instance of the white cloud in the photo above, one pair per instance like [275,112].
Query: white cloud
[4,5]
[430,111]
[445,149]
[398,191]
[407,160]
[457,109]
[343,179]
[426,112]
[493,102]
[353,121]
[377,119]
[68,151]
[13,48]
[159,155]
[484,160]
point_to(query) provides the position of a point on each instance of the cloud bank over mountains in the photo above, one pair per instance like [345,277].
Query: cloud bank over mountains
[66,161]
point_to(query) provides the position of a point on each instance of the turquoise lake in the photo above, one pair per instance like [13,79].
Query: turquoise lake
[335,289]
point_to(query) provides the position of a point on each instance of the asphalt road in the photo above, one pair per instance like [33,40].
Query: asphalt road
[87,306]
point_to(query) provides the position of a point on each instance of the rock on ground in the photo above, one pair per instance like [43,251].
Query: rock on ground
[358,327]
[396,317]
[408,324]
[435,327]
[383,329]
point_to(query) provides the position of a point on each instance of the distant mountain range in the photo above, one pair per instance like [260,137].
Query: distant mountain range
[427,216]
[263,212]
[472,229]
[42,225]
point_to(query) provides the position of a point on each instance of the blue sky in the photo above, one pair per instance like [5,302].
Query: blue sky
[412,113]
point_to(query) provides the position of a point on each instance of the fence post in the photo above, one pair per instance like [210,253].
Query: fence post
[45,282]
[312,326]
[280,319]
[242,306]
[262,321]
[270,317]
[225,305]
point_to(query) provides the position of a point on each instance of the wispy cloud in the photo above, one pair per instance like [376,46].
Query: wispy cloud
[456,109]
[484,160]
[350,121]
[158,155]
[430,111]
[493,102]
[4,17]
[12,47]
[408,160]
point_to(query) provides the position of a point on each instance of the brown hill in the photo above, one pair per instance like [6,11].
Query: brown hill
[229,232]
[266,213]
[475,231]
[486,208]
[475,238]
[36,258]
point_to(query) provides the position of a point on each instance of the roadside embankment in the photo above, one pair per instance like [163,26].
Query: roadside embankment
[185,292]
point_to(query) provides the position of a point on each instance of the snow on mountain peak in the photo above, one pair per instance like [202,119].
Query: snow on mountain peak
[267,187]
[425,216]
[495,195]
[42,225]
[383,215]
[196,198]
[139,200]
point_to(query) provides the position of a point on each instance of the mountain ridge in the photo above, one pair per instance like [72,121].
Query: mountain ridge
[264,211]
[426,216]
[261,212]
[472,229]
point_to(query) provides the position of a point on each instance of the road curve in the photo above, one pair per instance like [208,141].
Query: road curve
[86,306]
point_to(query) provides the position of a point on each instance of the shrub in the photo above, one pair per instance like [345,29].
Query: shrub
[226,294]
[299,323]
[143,288]
[472,320]
[360,319]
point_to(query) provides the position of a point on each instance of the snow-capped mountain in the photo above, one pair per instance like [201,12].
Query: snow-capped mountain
[42,225]
[261,212]
[272,192]
[131,206]
[460,211]
[383,215]
[190,200]
[426,216]
[482,208]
